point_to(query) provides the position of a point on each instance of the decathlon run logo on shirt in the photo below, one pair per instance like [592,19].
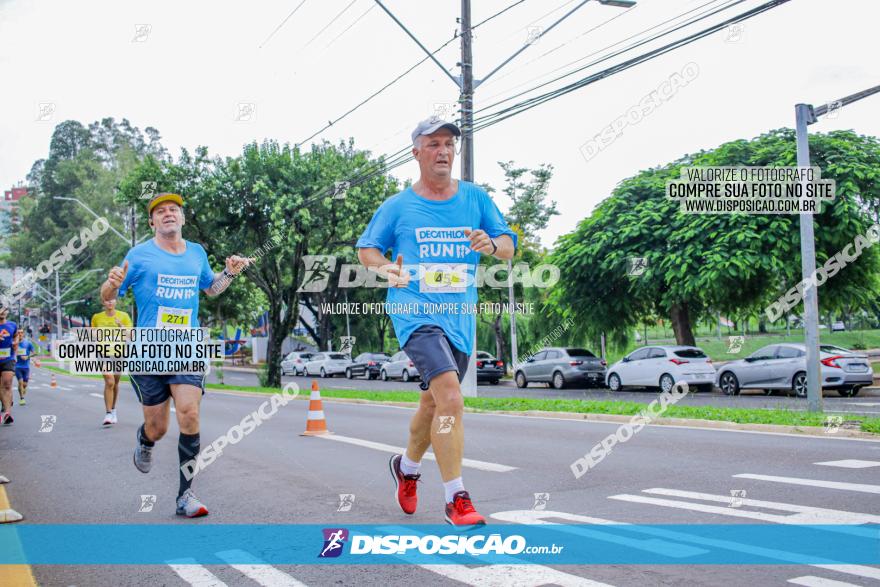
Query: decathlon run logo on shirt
[440,241]
[176,287]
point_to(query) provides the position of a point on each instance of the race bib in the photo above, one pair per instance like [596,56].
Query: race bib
[442,278]
[5,353]
[173,317]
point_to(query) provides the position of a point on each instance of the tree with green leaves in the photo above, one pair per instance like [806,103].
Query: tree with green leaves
[700,264]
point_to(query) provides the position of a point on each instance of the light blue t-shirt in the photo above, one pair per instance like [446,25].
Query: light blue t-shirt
[23,354]
[430,236]
[165,285]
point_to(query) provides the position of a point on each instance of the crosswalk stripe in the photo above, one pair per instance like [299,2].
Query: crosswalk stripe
[511,576]
[194,574]
[257,570]
[97,395]
[811,581]
[857,570]
[473,464]
[860,487]
[850,464]
[807,514]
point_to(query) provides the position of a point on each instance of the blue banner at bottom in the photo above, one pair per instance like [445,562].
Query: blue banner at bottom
[555,544]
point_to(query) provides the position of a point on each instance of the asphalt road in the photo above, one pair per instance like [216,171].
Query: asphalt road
[867,402]
[82,473]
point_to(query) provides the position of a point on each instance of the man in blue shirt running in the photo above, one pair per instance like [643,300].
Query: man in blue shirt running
[166,274]
[23,365]
[440,226]
[8,344]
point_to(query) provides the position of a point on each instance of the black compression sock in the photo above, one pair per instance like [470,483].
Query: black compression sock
[187,449]
[143,439]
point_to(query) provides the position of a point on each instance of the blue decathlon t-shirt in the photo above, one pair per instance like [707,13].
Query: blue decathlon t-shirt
[23,354]
[7,333]
[166,285]
[430,236]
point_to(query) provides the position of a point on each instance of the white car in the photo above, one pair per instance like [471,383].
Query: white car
[327,364]
[663,367]
[295,363]
[399,366]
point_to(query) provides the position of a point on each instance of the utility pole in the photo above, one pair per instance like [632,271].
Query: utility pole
[133,222]
[58,303]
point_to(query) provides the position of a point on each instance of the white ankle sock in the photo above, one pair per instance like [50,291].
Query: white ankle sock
[408,467]
[452,487]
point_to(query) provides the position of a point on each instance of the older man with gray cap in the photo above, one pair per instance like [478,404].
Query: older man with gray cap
[440,226]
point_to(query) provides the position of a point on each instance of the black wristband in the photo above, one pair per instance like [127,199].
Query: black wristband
[494,246]
[227,274]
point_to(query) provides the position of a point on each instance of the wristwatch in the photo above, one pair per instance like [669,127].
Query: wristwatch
[227,274]
[494,246]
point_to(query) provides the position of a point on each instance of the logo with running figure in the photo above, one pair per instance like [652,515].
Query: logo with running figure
[47,423]
[318,270]
[334,540]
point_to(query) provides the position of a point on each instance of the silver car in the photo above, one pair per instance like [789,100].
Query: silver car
[784,367]
[327,364]
[560,366]
[399,366]
[295,363]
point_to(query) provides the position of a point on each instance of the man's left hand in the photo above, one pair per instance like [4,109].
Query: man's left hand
[236,264]
[480,241]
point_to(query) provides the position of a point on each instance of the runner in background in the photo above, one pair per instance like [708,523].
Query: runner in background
[8,345]
[111,318]
[23,365]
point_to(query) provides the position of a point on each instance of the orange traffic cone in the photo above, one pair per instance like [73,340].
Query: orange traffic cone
[316,424]
[54,383]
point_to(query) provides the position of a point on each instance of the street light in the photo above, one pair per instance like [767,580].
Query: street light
[619,3]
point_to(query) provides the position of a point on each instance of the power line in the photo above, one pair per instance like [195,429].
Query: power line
[401,76]
[327,26]
[357,20]
[292,12]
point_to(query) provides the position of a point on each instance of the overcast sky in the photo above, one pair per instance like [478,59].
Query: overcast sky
[190,64]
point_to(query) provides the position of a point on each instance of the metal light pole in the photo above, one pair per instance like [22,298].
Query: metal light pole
[806,115]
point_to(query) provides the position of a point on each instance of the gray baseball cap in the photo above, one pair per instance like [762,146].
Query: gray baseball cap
[432,125]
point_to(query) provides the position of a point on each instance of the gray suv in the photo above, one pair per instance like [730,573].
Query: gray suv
[560,366]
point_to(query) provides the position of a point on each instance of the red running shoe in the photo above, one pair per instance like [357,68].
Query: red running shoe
[7,417]
[404,486]
[461,511]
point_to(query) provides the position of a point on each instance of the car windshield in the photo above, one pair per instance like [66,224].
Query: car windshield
[834,350]
[483,355]
[579,353]
[380,357]
[336,356]
[690,354]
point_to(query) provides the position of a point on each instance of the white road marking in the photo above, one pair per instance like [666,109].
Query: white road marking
[800,515]
[473,464]
[511,576]
[860,487]
[850,464]
[259,571]
[100,395]
[858,570]
[805,514]
[194,574]
[811,581]
[871,404]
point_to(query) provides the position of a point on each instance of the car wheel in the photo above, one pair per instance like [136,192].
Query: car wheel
[666,383]
[799,384]
[306,371]
[728,383]
[383,375]
[614,383]
[323,373]
[521,380]
[348,373]
[557,381]
[405,376]
[849,391]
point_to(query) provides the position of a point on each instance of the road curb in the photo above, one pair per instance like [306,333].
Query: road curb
[692,423]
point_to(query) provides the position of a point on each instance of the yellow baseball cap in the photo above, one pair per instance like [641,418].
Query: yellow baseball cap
[164,197]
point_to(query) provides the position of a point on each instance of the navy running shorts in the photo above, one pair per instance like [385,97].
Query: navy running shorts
[432,354]
[7,365]
[153,390]
[23,373]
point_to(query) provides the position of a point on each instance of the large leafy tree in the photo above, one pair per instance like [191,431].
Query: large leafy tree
[701,263]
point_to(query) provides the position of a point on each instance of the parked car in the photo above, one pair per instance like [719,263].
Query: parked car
[560,366]
[784,367]
[327,364]
[663,366]
[366,364]
[489,368]
[838,327]
[399,366]
[295,363]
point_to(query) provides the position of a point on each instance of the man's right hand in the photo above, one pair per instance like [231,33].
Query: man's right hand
[117,275]
[395,273]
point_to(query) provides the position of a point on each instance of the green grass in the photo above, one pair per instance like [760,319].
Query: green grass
[620,408]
